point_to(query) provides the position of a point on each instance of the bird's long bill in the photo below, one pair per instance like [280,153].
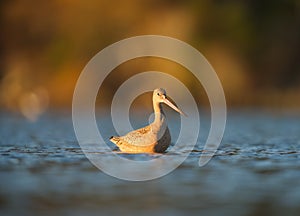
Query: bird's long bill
[170,104]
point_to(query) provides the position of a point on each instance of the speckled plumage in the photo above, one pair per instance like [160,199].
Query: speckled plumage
[152,138]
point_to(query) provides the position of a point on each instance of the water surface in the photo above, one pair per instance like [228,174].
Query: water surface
[256,171]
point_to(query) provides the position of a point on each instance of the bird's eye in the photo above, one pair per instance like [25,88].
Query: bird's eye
[158,94]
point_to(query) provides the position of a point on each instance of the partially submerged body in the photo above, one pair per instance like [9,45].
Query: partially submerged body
[152,138]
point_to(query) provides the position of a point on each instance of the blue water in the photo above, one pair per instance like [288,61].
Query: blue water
[256,171]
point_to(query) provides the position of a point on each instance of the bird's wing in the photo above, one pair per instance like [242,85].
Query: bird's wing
[140,135]
[139,132]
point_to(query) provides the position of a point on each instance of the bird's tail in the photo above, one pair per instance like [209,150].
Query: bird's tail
[114,139]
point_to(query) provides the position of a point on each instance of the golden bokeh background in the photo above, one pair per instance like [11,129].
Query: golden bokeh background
[254,46]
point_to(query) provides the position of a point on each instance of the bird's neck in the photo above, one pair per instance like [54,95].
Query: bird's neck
[160,124]
[158,113]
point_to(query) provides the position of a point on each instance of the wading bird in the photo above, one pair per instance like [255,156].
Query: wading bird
[155,137]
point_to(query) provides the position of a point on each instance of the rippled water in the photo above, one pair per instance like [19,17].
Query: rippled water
[256,171]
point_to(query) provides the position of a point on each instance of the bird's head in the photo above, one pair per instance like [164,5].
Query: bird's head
[160,96]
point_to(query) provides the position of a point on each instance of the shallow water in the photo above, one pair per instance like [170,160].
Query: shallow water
[256,171]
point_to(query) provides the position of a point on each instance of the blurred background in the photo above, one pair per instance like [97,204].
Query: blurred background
[254,46]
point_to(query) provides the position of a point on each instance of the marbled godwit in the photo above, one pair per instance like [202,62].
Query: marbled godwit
[152,138]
